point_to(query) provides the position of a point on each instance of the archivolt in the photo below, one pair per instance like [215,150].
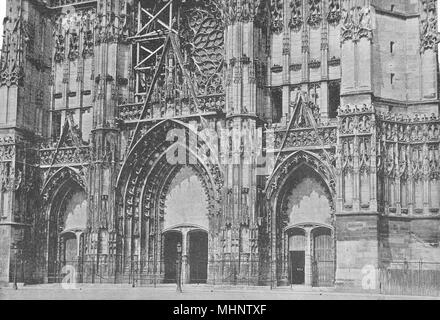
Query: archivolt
[290,164]
[146,174]
[54,192]
[59,178]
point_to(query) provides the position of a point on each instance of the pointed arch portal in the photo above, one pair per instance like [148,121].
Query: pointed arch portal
[63,223]
[153,196]
[186,223]
[301,200]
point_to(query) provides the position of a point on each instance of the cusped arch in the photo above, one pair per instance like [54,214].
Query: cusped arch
[148,158]
[55,181]
[301,164]
[291,164]
[150,134]
[64,182]
[278,186]
[200,169]
[146,176]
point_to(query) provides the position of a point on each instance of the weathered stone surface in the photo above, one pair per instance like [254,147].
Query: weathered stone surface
[347,180]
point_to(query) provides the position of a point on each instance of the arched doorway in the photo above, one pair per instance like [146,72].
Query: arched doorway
[193,243]
[186,213]
[302,201]
[67,222]
[311,255]
[306,204]
[166,185]
[72,254]
[70,243]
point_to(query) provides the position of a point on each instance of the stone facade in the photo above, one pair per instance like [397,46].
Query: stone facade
[328,161]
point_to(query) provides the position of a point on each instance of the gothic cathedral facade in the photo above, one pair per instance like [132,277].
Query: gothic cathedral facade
[264,142]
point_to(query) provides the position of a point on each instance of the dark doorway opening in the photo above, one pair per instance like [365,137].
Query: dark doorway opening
[171,239]
[297,256]
[297,265]
[198,256]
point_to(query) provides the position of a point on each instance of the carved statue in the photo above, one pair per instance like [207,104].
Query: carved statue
[334,12]
[296,20]
[315,13]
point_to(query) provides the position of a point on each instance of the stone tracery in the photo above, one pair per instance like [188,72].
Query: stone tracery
[409,151]
[204,44]
[356,24]
[277,13]
[296,19]
[149,177]
[334,12]
[348,152]
[315,13]
[429,33]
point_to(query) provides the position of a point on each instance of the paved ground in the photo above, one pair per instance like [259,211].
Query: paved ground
[124,292]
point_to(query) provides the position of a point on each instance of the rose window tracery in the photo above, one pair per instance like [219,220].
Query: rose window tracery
[203,47]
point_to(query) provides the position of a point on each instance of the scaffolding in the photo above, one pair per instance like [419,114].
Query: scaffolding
[155,24]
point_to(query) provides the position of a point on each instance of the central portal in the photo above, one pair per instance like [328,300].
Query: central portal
[186,223]
[194,255]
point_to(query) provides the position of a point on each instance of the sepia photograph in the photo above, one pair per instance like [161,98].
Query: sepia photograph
[238,151]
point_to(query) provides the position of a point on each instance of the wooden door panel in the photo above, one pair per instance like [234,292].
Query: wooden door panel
[323,263]
[297,266]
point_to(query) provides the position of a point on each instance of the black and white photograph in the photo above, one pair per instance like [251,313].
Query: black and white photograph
[238,151]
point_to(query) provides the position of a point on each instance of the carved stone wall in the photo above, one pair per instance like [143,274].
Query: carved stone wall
[70,124]
[408,155]
[356,160]
[305,48]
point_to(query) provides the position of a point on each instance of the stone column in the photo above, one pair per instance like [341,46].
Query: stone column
[308,272]
[286,64]
[286,104]
[243,53]
[111,71]
[285,264]
[185,253]
[324,70]
[78,271]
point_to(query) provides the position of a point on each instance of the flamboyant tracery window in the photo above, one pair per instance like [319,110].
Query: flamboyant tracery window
[202,41]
